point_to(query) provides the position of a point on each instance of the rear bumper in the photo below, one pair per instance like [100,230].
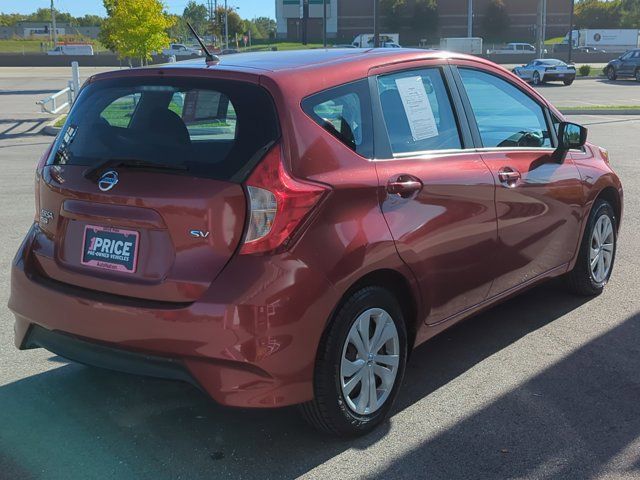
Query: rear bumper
[559,76]
[250,341]
[96,355]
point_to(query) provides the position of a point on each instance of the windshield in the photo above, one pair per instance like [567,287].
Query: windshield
[207,127]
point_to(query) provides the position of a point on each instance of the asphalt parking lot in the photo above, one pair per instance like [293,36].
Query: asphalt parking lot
[543,386]
[591,92]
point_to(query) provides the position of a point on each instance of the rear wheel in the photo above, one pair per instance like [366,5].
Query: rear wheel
[568,82]
[611,74]
[597,252]
[536,78]
[360,365]
[637,74]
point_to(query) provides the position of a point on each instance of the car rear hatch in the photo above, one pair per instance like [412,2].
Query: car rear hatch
[142,193]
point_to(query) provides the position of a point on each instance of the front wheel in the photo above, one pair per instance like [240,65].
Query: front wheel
[597,252]
[611,74]
[360,365]
[637,75]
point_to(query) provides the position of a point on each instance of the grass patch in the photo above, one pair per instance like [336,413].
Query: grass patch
[34,46]
[60,121]
[283,46]
[554,41]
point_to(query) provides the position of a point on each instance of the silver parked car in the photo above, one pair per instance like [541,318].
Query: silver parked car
[543,70]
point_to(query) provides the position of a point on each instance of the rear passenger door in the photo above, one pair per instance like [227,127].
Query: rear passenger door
[437,197]
[538,198]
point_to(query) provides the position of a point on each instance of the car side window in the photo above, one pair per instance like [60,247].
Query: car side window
[345,112]
[506,116]
[417,111]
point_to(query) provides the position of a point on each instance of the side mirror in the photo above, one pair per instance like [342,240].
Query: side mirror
[570,136]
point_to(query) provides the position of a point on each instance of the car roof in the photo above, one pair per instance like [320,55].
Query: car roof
[317,58]
[313,69]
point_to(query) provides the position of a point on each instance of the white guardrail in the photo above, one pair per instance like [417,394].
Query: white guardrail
[54,104]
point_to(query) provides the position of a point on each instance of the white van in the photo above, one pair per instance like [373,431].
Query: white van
[71,50]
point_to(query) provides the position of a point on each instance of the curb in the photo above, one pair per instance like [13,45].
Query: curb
[595,111]
[49,128]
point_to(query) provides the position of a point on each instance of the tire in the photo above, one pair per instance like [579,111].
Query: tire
[332,411]
[568,82]
[536,78]
[637,74]
[611,74]
[582,280]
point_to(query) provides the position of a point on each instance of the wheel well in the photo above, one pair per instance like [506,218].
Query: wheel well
[397,284]
[610,194]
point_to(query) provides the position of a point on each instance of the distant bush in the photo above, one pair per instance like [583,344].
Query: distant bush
[584,70]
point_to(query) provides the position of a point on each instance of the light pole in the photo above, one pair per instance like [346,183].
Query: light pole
[470,19]
[53,25]
[571,31]
[324,23]
[376,33]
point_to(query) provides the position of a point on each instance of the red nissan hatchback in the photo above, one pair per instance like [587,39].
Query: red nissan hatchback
[284,228]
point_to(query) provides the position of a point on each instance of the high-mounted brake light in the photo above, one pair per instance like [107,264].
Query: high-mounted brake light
[278,204]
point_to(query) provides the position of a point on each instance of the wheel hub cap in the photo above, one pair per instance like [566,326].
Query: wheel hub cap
[369,363]
[601,249]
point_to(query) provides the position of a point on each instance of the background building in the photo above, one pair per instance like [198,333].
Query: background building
[42,30]
[348,18]
[289,15]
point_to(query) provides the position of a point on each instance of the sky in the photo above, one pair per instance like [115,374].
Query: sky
[78,8]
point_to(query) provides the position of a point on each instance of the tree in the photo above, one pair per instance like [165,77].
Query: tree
[495,22]
[598,14]
[196,14]
[264,25]
[392,11]
[630,13]
[425,17]
[236,24]
[136,28]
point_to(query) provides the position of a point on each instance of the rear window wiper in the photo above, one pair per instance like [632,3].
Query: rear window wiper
[93,173]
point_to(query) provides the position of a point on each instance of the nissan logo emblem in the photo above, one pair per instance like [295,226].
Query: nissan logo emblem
[108,180]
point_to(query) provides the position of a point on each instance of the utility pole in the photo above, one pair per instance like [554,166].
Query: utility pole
[470,18]
[53,25]
[376,24]
[571,31]
[305,21]
[541,29]
[324,23]
[226,25]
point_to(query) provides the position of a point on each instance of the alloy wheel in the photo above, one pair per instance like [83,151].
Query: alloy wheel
[370,359]
[536,78]
[602,248]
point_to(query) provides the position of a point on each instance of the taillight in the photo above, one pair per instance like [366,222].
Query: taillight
[39,167]
[278,204]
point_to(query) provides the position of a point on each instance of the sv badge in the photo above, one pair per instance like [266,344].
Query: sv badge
[199,234]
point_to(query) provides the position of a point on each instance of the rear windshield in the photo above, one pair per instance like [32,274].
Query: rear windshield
[551,62]
[202,127]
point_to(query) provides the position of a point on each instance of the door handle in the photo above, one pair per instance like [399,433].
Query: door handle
[404,186]
[508,176]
